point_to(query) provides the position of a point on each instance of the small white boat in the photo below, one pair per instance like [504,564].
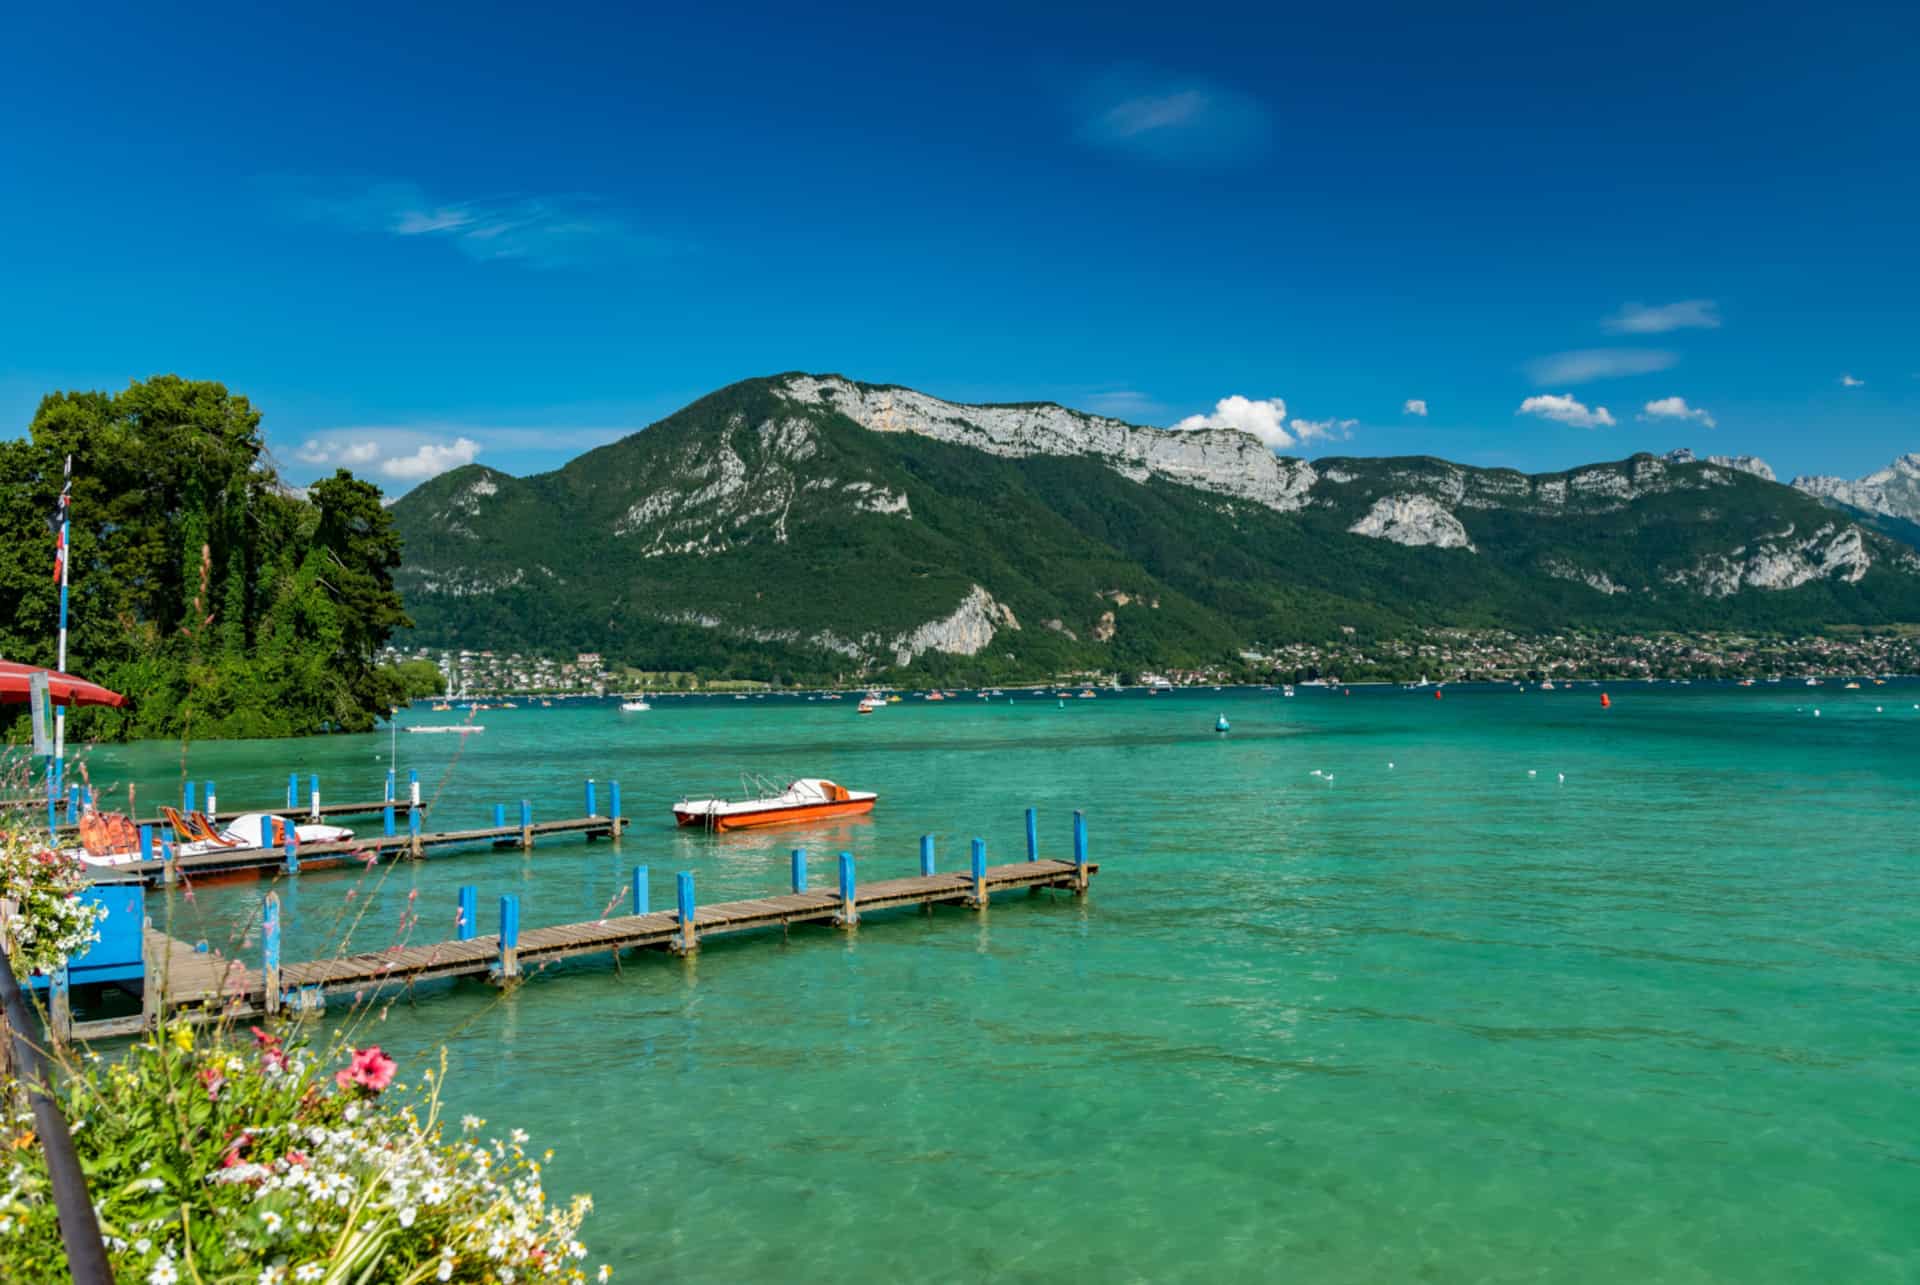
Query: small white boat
[634,707]
[461,728]
[1287,690]
[807,799]
[869,705]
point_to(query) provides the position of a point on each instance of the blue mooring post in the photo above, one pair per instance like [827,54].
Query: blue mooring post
[799,862]
[499,816]
[146,843]
[1033,835]
[270,950]
[293,849]
[314,780]
[186,796]
[293,790]
[641,904]
[509,936]
[1079,850]
[468,925]
[266,834]
[591,801]
[413,833]
[979,863]
[386,820]
[526,824]
[613,805]
[689,936]
[53,816]
[212,801]
[413,787]
[389,785]
[926,854]
[849,912]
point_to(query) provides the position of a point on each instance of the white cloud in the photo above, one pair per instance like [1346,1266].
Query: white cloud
[1687,314]
[1563,409]
[1676,408]
[1176,120]
[1264,419]
[1587,364]
[1415,406]
[1848,381]
[404,454]
[431,459]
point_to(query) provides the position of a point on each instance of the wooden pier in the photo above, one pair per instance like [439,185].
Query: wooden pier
[205,985]
[327,810]
[184,981]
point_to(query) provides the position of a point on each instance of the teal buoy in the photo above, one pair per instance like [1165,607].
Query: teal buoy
[1220,724]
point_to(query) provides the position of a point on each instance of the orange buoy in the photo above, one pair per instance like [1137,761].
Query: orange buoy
[1606,702]
[1436,693]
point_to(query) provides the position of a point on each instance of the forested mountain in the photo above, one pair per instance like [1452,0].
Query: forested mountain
[220,603]
[805,525]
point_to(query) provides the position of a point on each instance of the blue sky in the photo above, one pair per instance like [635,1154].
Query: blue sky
[419,234]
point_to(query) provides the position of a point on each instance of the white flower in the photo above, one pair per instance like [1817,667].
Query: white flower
[272,1275]
[434,1192]
[309,1272]
[163,1272]
[142,1246]
[471,1122]
[406,1216]
[519,1137]
[446,1269]
[272,1220]
[606,1273]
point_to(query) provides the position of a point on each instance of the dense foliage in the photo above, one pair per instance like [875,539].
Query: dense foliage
[566,560]
[218,600]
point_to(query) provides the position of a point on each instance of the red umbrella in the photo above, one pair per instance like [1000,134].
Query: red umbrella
[65,689]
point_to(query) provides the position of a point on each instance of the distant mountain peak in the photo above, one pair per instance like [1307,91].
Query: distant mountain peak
[1893,491]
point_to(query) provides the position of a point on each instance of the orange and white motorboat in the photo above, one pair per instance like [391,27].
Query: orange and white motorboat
[807,799]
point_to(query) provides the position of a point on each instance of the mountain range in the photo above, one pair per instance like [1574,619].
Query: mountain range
[803,525]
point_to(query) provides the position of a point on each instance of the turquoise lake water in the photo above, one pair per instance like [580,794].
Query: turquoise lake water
[1439,1021]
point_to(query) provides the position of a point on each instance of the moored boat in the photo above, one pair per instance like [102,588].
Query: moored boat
[807,799]
[869,705]
[634,707]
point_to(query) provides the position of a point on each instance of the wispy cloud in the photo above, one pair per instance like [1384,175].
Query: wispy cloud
[540,231]
[1677,408]
[1415,406]
[1562,408]
[1266,419]
[1645,319]
[1171,119]
[1121,403]
[1848,381]
[1587,364]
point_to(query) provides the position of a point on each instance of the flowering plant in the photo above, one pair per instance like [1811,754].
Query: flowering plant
[43,919]
[211,1161]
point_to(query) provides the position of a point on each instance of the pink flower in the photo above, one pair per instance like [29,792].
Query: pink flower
[371,1070]
[213,1078]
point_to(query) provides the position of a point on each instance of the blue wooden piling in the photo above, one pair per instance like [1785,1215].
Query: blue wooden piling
[293,790]
[386,820]
[499,816]
[979,871]
[53,816]
[689,935]
[799,862]
[641,901]
[293,848]
[146,843]
[591,801]
[315,793]
[186,796]
[266,833]
[213,804]
[926,854]
[526,824]
[413,833]
[468,926]
[389,785]
[270,951]
[613,805]
[849,912]
[1080,850]
[413,786]
[1033,835]
[509,935]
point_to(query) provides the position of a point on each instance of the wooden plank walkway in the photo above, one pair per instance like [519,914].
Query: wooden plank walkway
[207,986]
[373,847]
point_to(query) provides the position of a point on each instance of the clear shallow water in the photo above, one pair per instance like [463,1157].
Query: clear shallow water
[1441,1022]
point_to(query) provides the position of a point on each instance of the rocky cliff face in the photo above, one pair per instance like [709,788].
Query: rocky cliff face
[1412,520]
[1893,491]
[1219,460]
[1782,562]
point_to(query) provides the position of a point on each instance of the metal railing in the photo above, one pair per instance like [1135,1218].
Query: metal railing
[79,1228]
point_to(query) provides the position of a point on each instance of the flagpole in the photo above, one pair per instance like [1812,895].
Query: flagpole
[66,561]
